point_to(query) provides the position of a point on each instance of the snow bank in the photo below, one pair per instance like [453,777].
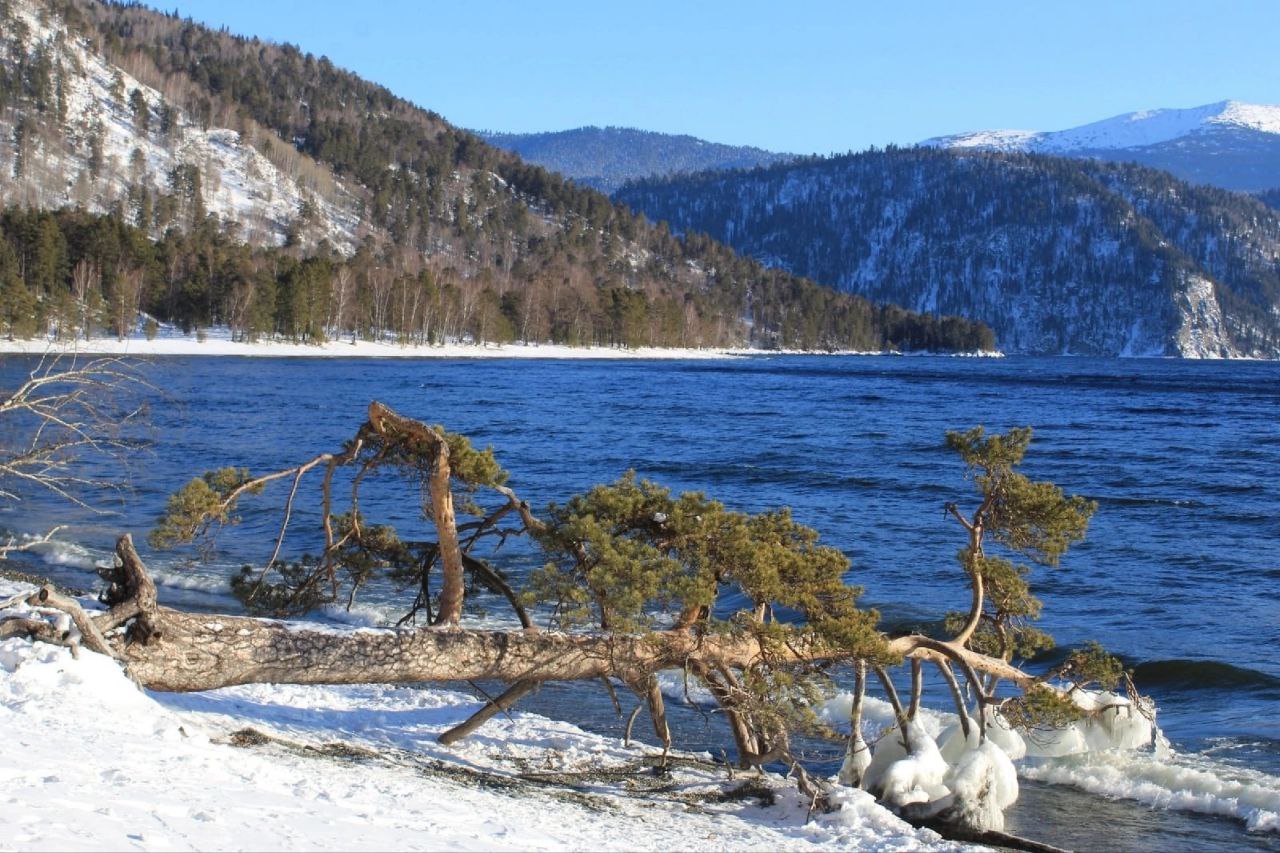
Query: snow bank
[92,762]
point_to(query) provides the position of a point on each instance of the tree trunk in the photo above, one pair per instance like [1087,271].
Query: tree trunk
[452,589]
[182,651]
[393,427]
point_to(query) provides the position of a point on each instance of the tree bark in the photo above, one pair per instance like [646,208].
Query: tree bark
[180,651]
[452,588]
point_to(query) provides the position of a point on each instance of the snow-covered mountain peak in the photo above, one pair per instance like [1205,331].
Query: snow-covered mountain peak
[991,140]
[1263,117]
[1130,130]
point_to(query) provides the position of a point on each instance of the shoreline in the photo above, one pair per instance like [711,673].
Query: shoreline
[218,343]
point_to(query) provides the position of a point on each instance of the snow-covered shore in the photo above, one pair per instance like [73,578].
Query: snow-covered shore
[91,762]
[217,343]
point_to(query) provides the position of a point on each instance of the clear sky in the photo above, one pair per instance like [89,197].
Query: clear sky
[792,75]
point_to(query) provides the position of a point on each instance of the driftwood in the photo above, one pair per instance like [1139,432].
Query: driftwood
[174,650]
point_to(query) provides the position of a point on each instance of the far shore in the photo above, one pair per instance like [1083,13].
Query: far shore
[217,342]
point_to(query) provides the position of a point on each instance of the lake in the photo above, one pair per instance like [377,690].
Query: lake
[1179,574]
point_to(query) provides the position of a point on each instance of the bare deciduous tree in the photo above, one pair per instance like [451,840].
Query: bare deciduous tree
[65,409]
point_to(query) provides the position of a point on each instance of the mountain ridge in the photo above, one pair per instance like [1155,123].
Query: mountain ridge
[1057,255]
[605,158]
[1231,144]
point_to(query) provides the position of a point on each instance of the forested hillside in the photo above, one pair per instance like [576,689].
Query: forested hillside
[607,157]
[162,124]
[1057,255]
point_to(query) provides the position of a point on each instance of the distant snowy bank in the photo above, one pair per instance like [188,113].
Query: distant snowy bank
[218,341]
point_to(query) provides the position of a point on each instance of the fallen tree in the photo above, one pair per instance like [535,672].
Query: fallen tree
[636,582]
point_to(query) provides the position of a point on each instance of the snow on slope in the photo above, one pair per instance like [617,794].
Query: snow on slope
[239,182]
[1131,130]
[89,761]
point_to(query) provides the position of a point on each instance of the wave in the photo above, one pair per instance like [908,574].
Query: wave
[191,581]
[58,552]
[1167,780]
[1202,675]
[1121,500]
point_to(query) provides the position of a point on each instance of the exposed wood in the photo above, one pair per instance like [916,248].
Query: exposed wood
[449,607]
[631,722]
[917,687]
[495,582]
[900,715]
[131,595]
[92,637]
[24,626]
[508,698]
[657,712]
[850,773]
[957,697]
[393,427]
[204,652]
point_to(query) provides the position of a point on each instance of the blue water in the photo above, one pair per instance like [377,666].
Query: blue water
[1179,574]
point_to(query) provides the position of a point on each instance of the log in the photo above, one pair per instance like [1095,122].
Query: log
[166,649]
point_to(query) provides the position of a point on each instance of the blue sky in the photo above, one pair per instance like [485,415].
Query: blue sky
[802,76]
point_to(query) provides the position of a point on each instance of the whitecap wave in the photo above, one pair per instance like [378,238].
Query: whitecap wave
[58,552]
[191,581]
[689,690]
[1168,780]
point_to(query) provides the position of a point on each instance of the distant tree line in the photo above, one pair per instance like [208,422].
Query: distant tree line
[69,273]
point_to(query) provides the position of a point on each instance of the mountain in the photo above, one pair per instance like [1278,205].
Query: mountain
[1057,255]
[1229,144]
[607,157]
[282,195]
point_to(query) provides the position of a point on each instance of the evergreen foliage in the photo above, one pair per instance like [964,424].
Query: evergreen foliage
[628,555]
[199,508]
[1029,519]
